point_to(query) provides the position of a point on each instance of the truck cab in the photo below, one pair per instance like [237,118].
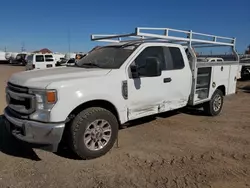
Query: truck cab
[112,85]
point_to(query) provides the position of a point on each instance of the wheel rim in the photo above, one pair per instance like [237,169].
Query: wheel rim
[97,135]
[217,103]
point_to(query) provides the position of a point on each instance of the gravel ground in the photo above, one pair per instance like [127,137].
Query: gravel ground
[177,149]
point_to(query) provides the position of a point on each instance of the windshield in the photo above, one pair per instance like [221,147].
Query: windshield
[109,57]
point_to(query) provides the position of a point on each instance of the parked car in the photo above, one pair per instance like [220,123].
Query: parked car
[245,68]
[58,57]
[20,59]
[69,56]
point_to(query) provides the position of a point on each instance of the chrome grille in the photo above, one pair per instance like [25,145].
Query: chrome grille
[19,100]
[18,89]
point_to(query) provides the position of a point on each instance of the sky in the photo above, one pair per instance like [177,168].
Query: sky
[47,24]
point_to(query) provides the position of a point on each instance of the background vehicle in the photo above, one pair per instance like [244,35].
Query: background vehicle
[69,56]
[7,55]
[20,59]
[71,61]
[12,57]
[210,59]
[113,85]
[40,61]
[245,66]
[58,56]
[2,56]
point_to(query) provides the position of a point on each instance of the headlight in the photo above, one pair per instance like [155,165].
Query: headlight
[45,100]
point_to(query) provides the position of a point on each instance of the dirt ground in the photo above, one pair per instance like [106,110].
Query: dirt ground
[177,149]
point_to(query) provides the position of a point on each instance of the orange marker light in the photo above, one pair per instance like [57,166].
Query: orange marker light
[51,96]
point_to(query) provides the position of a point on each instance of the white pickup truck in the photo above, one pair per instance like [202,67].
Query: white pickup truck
[126,80]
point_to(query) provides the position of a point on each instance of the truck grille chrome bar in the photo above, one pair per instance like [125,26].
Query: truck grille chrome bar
[19,100]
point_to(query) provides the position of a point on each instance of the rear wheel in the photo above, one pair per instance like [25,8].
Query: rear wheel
[214,106]
[93,132]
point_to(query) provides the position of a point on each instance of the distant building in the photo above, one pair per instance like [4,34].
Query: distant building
[43,51]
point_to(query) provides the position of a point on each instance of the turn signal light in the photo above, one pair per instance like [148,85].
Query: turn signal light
[51,96]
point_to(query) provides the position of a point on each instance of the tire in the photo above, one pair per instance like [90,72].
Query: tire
[211,108]
[83,128]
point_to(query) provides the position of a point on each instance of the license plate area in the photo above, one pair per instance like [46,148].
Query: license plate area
[13,129]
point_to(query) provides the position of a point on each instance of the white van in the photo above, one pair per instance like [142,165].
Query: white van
[40,61]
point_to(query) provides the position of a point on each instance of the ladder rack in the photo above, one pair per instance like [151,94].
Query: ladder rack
[168,35]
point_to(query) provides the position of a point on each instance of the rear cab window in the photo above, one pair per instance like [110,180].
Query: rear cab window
[174,58]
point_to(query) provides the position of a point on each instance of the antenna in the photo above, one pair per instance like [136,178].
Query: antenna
[69,40]
[23,47]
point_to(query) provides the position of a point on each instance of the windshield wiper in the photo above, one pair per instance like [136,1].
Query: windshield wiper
[91,64]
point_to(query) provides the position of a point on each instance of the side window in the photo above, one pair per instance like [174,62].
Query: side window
[49,58]
[212,60]
[173,58]
[30,58]
[154,51]
[39,58]
[220,60]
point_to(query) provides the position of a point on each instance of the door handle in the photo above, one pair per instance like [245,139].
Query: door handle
[166,80]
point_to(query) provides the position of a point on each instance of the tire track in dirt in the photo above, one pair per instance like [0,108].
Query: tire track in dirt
[189,176]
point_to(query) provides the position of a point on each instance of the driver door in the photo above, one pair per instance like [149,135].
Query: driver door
[145,94]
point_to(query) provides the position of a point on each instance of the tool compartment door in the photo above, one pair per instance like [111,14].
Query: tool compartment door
[234,69]
[220,77]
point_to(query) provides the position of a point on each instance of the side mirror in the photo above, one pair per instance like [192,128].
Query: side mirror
[134,71]
[152,67]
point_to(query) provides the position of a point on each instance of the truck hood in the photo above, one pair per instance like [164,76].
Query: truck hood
[42,78]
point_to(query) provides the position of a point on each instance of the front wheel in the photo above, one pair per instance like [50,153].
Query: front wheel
[214,106]
[93,132]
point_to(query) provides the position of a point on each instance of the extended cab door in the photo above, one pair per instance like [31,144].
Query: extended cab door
[177,69]
[170,90]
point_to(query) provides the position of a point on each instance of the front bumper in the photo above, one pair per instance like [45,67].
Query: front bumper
[34,132]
